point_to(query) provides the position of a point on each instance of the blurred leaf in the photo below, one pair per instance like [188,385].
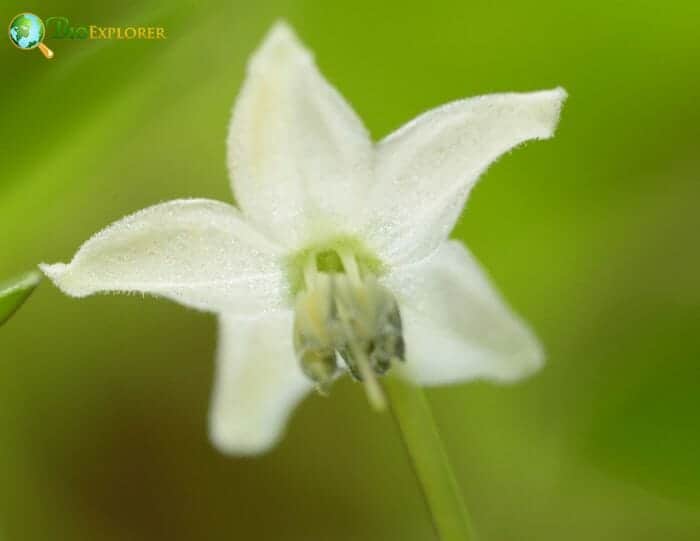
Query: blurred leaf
[14,292]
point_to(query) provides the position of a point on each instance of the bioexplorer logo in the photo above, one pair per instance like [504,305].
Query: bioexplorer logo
[27,31]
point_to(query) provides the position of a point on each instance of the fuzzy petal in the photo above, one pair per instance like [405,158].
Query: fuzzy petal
[426,169]
[299,157]
[258,383]
[456,325]
[194,251]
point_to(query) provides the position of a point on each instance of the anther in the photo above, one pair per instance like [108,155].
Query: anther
[314,340]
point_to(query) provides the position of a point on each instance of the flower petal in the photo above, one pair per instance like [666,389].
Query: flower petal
[456,325]
[258,383]
[297,153]
[426,169]
[194,251]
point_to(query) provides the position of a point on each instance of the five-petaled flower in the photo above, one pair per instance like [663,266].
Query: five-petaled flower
[337,256]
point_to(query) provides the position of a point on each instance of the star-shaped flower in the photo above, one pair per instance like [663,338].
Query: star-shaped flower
[336,257]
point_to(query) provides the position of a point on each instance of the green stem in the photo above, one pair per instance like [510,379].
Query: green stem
[420,436]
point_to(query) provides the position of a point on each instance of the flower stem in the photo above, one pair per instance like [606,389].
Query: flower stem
[430,463]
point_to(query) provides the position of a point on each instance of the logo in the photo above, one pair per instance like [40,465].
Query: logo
[27,32]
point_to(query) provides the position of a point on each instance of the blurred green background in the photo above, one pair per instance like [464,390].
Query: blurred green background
[593,237]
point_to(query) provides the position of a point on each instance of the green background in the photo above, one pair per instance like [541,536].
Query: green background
[593,237]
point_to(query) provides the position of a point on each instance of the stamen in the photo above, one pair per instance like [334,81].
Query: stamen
[350,266]
[346,316]
[310,271]
[314,340]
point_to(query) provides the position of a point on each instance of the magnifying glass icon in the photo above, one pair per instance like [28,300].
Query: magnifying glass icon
[27,32]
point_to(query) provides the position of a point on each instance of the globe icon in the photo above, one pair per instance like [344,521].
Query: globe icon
[27,32]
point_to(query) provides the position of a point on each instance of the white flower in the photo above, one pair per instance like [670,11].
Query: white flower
[338,257]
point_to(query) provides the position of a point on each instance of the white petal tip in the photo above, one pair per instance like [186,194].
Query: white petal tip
[559,95]
[561,92]
[54,272]
[552,102]
[59,274]
[233,440]
[522,365]
[531,362]
[280,44]
[281,31]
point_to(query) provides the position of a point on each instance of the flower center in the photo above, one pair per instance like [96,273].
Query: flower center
[344,316]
